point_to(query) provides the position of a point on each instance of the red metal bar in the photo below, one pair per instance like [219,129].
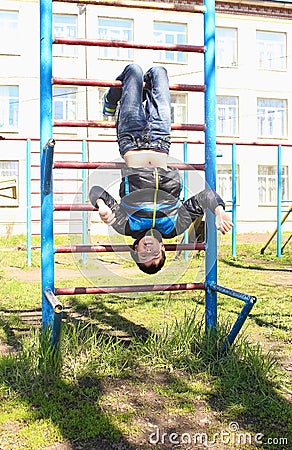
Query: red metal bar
[98,83]
[74,207]
[121,248]
[126,44]
[141,5]
[106,124]
[134,288]
[117,165]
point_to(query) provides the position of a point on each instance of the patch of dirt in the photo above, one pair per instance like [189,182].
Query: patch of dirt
[159,423]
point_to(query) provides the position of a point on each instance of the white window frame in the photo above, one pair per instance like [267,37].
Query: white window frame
[169,33]
[115,29]
[226,47]
[271,118]
[271,53]
[65,30]
[9,180]
[268,184]
[179,107]
[9,108]
[66,97]
[9,35]
[224,182]
[227,112]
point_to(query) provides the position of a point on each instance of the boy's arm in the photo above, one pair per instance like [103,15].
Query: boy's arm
[209,199]
[110,211]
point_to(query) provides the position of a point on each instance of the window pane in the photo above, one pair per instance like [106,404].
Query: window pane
[178,108]
[9,32]
[65,103]
[226,47]
[268,184]
[9,173]
[271,50]
[170,33]
[9,105]
[271,117]
[65,27]
[227,115]
[111,29]
[224,182]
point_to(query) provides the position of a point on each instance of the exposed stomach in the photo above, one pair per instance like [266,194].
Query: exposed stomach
[146,158]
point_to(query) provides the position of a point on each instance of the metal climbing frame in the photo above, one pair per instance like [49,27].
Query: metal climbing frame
[51,306]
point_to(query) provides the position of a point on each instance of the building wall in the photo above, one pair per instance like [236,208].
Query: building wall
[244,81]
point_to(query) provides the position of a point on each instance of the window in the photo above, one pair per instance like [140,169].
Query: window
[268,184]
[9,172]
[224,182]
[271,50]
[65,27]
[9,104]
[64,103]
[178,108]
[227,115]
[9,32]
[271,117]
[112,29]
[226,47]
[170,33]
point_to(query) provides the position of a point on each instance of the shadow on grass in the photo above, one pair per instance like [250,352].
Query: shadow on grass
[106,318]
[67,394]
[66,407]
[255,266]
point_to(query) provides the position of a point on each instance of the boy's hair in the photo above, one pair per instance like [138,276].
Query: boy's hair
[152,268]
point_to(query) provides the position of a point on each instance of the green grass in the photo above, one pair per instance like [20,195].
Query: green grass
[129,366]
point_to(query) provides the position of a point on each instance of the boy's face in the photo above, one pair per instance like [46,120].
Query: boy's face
[149,251]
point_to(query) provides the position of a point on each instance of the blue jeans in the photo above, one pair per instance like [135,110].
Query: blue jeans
[139,126]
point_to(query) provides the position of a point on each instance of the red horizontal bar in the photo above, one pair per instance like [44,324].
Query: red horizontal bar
[117,165]
[126,44]
[134,288]
[107,124]
[122,248]
[74,207]
[98,83]
[142,5]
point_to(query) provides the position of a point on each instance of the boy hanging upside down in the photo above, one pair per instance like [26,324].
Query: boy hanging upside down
[150,207]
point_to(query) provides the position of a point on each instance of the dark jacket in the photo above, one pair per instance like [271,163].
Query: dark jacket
[150,199]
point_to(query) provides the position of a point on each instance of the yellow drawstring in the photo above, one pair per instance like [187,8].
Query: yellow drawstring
[155,198]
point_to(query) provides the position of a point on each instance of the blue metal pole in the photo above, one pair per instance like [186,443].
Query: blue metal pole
[279,202]
[210,159]
[186,183]
[57,314]
[47,239]
[234,199]
[84,196]
[249,300]
[28,203]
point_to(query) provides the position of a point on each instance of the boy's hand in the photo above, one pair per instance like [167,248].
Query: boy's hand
[106,214]
[223,220]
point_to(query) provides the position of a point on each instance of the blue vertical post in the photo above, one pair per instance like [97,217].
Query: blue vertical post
[210,159]
[279,202]
[47,240]
[84,196]
[28,203]
[186,183]
[234,198]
